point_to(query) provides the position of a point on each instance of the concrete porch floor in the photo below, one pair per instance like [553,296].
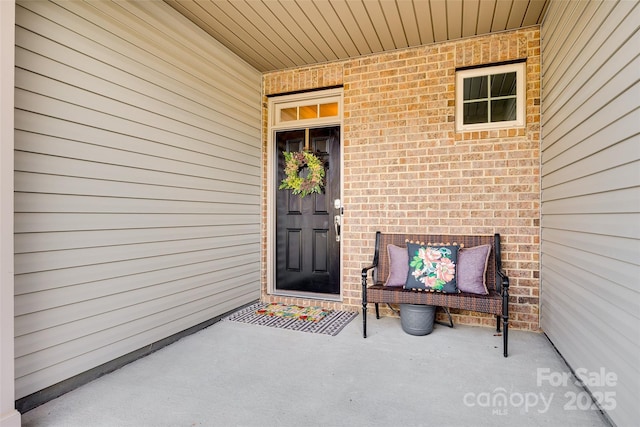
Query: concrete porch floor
[234,374]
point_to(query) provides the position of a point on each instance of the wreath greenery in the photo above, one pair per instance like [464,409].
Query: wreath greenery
[295,162]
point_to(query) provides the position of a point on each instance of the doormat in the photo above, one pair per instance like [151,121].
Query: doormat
[330,324]
[309,314]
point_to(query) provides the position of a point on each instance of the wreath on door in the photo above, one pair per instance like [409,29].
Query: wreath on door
[295,162]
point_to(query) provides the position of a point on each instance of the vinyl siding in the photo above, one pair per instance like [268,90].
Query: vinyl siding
[590,262]
[137,183]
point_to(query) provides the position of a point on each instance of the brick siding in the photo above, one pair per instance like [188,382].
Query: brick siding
[406,169]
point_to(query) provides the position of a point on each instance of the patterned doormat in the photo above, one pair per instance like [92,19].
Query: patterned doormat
[331,323]
[310,314]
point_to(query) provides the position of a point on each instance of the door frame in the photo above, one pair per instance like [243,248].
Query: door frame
[274,124]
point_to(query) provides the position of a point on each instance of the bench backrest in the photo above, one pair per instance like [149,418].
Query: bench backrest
[381,257]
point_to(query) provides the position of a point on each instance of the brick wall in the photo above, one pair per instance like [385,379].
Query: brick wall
[407,169]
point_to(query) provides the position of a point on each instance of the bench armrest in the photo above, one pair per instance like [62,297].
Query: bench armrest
[371,267]
[364,285]
[366,269]
[504,282]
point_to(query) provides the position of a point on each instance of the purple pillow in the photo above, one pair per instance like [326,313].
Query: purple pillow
[398,265]
[472,269]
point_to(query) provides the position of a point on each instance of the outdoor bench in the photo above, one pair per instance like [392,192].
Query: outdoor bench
[496,301]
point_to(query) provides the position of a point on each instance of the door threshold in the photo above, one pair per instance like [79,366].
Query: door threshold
[308,295]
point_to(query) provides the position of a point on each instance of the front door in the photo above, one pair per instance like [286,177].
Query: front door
[307,232]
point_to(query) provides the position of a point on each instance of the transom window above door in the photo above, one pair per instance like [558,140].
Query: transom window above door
[313,111]
[490,97]
[306,109]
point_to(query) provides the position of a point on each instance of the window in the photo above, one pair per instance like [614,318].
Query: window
[490,97]
[305,111]
[314,108]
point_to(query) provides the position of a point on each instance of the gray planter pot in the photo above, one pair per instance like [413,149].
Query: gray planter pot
[417,319]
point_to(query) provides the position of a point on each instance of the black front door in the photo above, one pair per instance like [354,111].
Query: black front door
[307,240]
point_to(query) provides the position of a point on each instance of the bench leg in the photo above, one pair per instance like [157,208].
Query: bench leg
[505,335]
[364,320]
[377,310]
[364,304]
[497,323]
[505,319]
[450,324]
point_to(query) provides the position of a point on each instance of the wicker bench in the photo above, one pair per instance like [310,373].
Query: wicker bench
[496,302]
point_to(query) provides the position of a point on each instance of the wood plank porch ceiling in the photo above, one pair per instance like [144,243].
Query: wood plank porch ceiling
[279,34]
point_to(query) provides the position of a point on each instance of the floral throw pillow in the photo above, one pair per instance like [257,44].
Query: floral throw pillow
[432,267]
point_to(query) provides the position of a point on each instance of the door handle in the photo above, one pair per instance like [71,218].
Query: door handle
[337,222]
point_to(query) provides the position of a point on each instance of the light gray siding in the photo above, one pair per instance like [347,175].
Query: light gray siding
[590,296]
[137,183]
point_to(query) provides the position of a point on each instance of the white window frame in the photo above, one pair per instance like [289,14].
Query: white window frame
[520,70]
[314,98]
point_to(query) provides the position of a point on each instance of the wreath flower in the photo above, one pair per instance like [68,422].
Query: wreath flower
[294,163]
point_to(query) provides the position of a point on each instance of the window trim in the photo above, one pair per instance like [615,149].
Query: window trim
[520,70]
[305,99]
